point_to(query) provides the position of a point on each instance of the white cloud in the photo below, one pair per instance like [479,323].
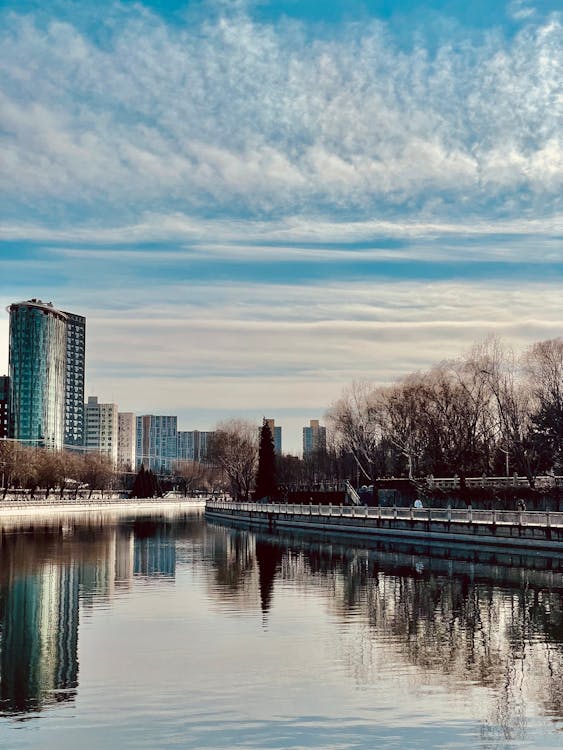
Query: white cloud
[519,10]
[243,116]
[235,140]
[178,227]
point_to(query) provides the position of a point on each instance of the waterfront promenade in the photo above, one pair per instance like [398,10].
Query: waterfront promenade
[516,529]
[40,508]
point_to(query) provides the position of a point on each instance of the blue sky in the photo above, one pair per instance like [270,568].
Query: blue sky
[256,203]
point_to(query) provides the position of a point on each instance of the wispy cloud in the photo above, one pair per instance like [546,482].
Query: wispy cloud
[520,10]
[178,227]
[243,117]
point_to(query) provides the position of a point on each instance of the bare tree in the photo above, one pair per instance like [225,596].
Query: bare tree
[234,448]
[514,404]
[18,465]
[50,470]
[401,407]
[356,422]
[456,418]
[543,364]
[97,471]
[191,474]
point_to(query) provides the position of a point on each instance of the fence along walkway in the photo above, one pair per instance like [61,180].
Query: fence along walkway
[537,530]
[447,515]
[545,482]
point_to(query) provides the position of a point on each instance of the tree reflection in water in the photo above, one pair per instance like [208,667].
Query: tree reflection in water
[493,620]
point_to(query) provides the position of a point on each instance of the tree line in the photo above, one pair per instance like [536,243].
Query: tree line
[40,469]
[489,412]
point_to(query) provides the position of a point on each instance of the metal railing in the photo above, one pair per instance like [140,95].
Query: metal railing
[442,515]
[546,481]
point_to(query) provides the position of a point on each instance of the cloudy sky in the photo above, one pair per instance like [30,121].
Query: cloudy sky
[255,203]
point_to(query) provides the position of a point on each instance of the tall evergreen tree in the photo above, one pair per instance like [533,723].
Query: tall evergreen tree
[266,483]
[138,489]
[146,484]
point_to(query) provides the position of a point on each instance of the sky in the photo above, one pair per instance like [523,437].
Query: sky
[257,203]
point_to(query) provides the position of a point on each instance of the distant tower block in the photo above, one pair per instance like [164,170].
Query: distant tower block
[314,438]
[276,434]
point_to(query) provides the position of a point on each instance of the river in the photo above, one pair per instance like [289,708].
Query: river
[173,632]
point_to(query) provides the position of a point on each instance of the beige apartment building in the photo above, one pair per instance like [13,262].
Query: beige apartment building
[101,427]
[126,437]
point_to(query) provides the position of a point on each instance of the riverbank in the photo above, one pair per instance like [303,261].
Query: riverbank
[508,529]
[39,509]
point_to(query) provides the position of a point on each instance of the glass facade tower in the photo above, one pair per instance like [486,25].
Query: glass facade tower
[37,363]
[74,434]
[314,438]
[4,405]
[47,359]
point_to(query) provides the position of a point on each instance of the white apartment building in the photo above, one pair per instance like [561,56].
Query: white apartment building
[102,427]
[126,438]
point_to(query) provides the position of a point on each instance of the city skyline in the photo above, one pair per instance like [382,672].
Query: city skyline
[255,204]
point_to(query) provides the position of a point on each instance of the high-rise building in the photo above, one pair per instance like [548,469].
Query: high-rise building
[314,438]
[74,385]
[156,442]
[101,427]
[46,363]
[193,445]
[276,435]
[127,428]
[4,405]
[37,363]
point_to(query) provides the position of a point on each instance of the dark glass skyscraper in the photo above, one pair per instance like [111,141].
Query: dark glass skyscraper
[46,374]
[4,405]
[74,386]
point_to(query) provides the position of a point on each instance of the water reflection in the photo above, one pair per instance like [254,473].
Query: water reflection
[383,618]
[46,573]
[268,558]
[39,626]
[461,619]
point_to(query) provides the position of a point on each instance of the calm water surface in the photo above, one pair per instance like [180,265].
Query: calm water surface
[171,632]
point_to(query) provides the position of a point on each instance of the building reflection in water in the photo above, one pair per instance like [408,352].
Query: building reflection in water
[44,576]
[154,550]
[39,658]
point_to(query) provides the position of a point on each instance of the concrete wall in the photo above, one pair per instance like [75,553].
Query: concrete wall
[518,535]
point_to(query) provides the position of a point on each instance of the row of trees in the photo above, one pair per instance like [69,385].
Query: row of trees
[489,412]
[36,469]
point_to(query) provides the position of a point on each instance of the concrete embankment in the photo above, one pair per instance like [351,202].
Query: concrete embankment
[509,529]
[41,509]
